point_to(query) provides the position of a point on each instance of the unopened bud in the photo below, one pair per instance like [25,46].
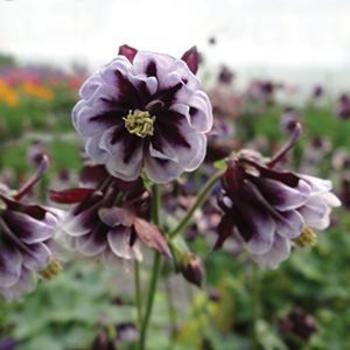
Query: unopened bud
[192,269]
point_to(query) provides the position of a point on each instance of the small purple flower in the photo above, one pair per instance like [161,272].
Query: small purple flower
[145,110]
[343,107]
[272,210]
[289,119]
[108,219]
[26,233]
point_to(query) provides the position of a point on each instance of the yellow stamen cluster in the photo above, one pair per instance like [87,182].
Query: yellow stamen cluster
[308,238]
[140,123]
[52,270]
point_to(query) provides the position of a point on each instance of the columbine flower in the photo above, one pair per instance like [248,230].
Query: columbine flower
[26,233]
[272,210]
[108,218]
[145,109]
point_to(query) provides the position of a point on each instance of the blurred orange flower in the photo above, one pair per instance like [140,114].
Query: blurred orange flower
[36,90]
[8,94]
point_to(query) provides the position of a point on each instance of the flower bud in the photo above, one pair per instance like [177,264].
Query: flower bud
[192,269]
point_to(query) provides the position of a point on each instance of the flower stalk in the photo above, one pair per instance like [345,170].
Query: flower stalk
[201,198]
[155,270]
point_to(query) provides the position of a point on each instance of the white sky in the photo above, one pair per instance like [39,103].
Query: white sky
[269,34]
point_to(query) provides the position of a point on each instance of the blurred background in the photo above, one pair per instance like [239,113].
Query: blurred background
[265,64]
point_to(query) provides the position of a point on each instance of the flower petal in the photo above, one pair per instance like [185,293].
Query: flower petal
[281,196]
[119,239]
[279,252]
[28,229]
[93,243]
[151,236]
[10,265]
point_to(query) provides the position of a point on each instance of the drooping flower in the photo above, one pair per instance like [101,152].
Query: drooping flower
[109,217]
[26,233]
[270,209]
[145,110]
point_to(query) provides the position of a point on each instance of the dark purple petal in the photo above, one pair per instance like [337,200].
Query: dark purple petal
[225,230]
[255,225]
[73,195]
[191,57]
[281,196]
[92,175]
[127,51]
[168,126]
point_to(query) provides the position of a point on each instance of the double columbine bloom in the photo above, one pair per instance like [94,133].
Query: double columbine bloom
[109,217]
[26,233]
[145,110]
[272,210]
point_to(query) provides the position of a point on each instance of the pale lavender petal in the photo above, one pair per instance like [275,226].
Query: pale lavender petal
[92,244]
[119,242]
[316,213]
[90,86]
[318,185]
[25,284]
[37,257]
[162,171]
[279,252]
[289,224]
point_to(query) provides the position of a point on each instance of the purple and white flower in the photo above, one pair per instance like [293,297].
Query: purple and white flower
[272,210]
[26,233]
[108,219]
[145,110]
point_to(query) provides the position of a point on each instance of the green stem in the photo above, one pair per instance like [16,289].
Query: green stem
[201,198]
[150,300]
[155,270]
[171,311]
[255,286]
[138,295]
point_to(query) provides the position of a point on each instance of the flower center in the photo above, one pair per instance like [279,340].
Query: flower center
[307,238]
[52,270]
[139,123]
